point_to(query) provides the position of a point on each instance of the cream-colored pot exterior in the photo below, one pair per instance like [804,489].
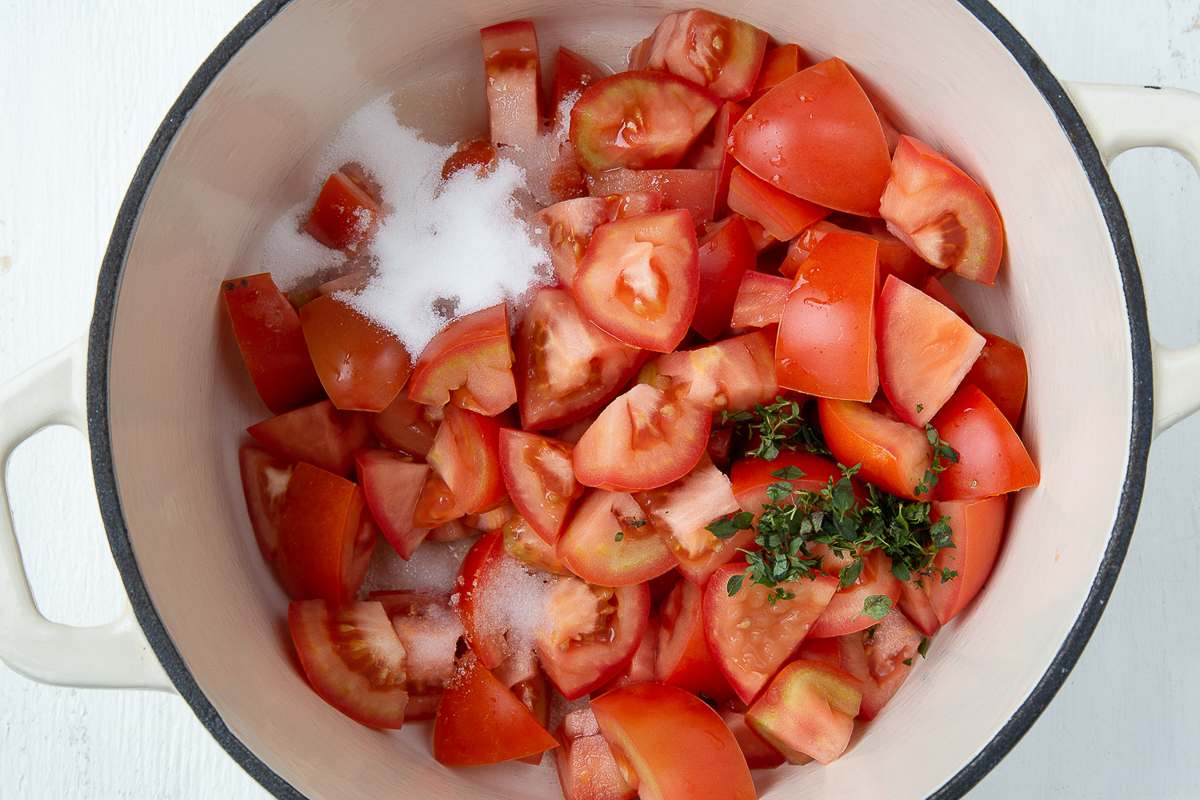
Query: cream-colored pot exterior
[178,401]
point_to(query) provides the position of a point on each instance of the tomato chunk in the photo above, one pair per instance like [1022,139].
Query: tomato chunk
[692,190]
[514,77]
[466,453]
[760,300]
[469,363]
[881,658]
[610,542]
[1001,373]
[991,457]
[586,767]
[977,527]
[724,254]
[783,215]
[730,375]
[319,434]
[894,455]
[845,612]
[808,711]
[344,215]
[264,484]
[538,474]
[683,657]
[722,54]
[392,485]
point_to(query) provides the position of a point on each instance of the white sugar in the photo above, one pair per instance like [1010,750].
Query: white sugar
[433,566]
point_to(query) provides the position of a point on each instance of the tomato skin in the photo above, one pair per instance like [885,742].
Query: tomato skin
[325,536]
[566,366]
[406,426]
[730,375]
[722,54]
[914,602]
[540,480]
[466,453]
[1001,373]
[510,61]
[783,215]
[894,455]
[352,658]
[925,350]
[590,549]
[817,136]
[844,614]
[992,459]
[319,434]
[392,485]
[344,215]
[826,342]
[808,711]
[750,655]
[677,745]
[977,528]
[779,64]
[639,120]
[469,363]
[895,257]
[479,721]
[264,484]
[642,440]
[760,300]
[640,279]
[268,334]
[361,365]
[939,211]
[690,190]
[723,256]
[683,657]
[582,666]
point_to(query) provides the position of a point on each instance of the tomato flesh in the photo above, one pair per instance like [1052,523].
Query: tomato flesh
[538,474]
[992,459]
[469,363]
[721,54]
[344,215]
[392,485]
[808,711]
[514,76]
[264,484]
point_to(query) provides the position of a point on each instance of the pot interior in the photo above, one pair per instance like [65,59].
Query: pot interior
[178,399]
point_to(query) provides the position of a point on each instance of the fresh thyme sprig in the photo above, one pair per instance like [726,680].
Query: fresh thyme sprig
[780,425]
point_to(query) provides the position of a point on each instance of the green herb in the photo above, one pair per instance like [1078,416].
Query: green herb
[778,426]
[907,662]
[923,647]
[636,523]
[620,535]
[876,606]
[943,456]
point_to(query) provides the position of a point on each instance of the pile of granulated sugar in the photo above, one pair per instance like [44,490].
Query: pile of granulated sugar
[442,250]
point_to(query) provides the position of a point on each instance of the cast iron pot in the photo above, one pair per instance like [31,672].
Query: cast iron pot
[167,400]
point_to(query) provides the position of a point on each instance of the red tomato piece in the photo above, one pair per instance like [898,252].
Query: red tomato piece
[268,334]
[844,614]
[514,79]
[817,136]
[406,426]
[750,655]
[759,754]
[470,362]
[573,74]
[361,365]
[586,767]
[610,542]
[690,190]
[540,480]
[344,215]
[709,150]
[578,664]
[466,453]
[914,602]
[572,222]
[808,711]
[730,375]
[783,215]
[991,457]
[895,257]
[683,657]
[480,581]
[680,510]
[760,300]
[723,256]
[392,485]
[325,538]
[779,64]
[937,209]
[474,154]
[264,484]
[436,506]
[925,349]
[826,342]
[751,476]
[479,721]
[566,366]
[977,527]
[642,440]
[677,745]
[639,120]
[640,668]
[1001,373]
[429,629]
[319,434]
[524,544]
[935,289]
[722,54]
[881,658]
[894,455]
[352,658]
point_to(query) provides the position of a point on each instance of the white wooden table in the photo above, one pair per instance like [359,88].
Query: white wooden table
[84,85]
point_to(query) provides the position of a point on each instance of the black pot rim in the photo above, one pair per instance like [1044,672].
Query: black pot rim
[1141,433]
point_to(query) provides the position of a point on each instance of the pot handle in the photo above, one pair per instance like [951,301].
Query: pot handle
[115,655]
[1121,118]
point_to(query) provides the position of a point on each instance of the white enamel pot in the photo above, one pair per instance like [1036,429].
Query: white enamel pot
[164,418]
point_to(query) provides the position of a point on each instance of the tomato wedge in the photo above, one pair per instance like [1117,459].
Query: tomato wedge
[881,658]
[783,215]
[977,527]
[1001,373]
[344,215]
[683,657]
[991,457]
[469,363]
[724,254]
[352,658]
[540,480]
[808,711]
[844,614]
[466,453]
[392,485]
[817,136]
[692,190]
[722,54]
[264,484]
[640,279]
[319,434]
[514,78]
[610,542]
[640,120]
[894,455]
[730,375]
[760,300]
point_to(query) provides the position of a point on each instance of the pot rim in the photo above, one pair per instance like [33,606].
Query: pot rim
[1141,434]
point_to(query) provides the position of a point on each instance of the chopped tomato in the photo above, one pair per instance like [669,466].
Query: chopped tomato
[326,536]
[429,629]
[586,767]
[540,480]
[709,151]
[1000,373]
[514,78]
[751,476]
[406,426]
[610,542]
[881,658]
[436,506]
[481,578]
[573,74]
[730,375]
[681,509]
[817,136]
[937,209]
[779,64]
[937,290]
[674,742]
[844,613]
[759,754]
[639,120]
[925,349]
[642,440]
[760,300]
[268,334]
[895,257]
[750,636]
[524,544]
[722,54]
[352,658]
[691,190]
[683,657]
[826,342]
[319,434]
[264,483]
[361,365]
[566,366]
[914,602]
[783,215]
[470,362]
[392,485]
[893,455]
[991,457]
[466,453]
[724,254]
[572,222]
[344,215]
[976,526]
[808,711]
[479,721]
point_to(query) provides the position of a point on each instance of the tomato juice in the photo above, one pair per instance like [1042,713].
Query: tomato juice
[650,393]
